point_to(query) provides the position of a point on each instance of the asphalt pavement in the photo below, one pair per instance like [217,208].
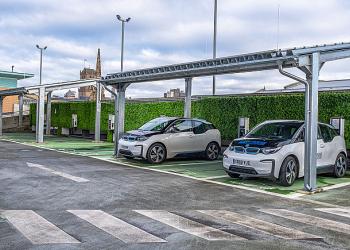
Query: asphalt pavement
[53,200]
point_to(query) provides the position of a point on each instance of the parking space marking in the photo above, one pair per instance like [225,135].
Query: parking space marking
[184,164]
[116,227]
[36,229]
[65,175]
[310,220]
[188,226]
[344,211]
[260,225]
[215,177]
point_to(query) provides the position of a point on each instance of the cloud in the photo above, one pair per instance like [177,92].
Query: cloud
[164,32]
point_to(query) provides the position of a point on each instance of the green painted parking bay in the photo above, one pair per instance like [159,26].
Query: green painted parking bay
[198,168]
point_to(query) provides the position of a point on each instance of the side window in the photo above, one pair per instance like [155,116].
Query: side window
[182,126]
[199,127]
[301,136]
[326,133]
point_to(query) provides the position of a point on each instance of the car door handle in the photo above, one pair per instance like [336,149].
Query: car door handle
[322,146]
[191,136]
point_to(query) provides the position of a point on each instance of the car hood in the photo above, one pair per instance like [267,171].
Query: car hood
[260,142]
[142,133]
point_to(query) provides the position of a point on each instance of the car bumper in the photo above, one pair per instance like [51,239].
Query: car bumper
[131,149]
[249,165]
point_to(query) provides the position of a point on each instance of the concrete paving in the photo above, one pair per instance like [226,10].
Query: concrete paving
[156,210]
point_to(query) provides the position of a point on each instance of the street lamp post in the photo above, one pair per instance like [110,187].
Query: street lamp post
[41,60]
[123,21]
[214,38]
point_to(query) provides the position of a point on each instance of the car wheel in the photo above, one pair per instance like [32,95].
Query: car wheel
[232,175]
[288,171]
[156,153]
[212,151]
[340,166]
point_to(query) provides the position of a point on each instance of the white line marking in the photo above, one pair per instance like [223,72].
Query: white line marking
[116,227]
[36,229]
[215,177]
[260,225]
[184,164]
[345,212]
[311,220]
[68,176]
[188,226]
[339,185]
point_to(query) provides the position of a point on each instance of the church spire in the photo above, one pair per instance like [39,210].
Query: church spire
[98,64]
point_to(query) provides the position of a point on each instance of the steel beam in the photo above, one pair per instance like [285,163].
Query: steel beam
[41,115]
[1,99]
[188,93]
[120,114]
[48,114]
[312,128]
[20,111]
[98,113]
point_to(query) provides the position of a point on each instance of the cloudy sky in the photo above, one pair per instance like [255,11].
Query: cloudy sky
[165,32]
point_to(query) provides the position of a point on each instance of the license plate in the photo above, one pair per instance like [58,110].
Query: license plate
[124,147]
[241,162]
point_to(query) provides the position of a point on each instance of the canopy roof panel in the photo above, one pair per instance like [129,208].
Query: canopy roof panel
[265,60]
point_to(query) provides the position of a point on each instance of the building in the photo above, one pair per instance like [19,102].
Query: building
[174,93]
[89,92]
[70,95]
[9,79]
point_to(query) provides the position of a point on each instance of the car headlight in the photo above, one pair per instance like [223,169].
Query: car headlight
[268,151]
[141,138]
[225,156]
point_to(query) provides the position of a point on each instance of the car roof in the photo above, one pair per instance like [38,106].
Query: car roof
[294,121]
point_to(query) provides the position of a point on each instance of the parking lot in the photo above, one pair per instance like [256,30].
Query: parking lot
[208,171]
[62,200]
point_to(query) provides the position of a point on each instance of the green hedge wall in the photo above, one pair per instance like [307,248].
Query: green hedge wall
[223,112]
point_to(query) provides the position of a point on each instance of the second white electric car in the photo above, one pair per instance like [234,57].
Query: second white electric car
[275,149]
[168,137]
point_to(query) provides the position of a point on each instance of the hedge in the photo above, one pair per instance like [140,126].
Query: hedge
[223,112]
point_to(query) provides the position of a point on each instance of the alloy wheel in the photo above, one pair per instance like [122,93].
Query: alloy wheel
[213,151]
[157,154]
[340,166]
[291,171]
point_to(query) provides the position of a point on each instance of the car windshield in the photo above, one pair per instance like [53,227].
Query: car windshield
[157,124]
[278,130]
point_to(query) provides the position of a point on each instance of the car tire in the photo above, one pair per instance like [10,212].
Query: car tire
[288,172]
[212,151]
[156,153]
[340,166]
[232,175]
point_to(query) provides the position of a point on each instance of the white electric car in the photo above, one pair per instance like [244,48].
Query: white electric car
[168,137]
[275,149]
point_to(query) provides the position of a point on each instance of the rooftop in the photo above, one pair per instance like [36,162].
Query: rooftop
[15,75]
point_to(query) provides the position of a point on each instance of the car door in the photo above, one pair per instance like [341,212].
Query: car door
[180,138]
[200,139]
[321,148]
[329,147]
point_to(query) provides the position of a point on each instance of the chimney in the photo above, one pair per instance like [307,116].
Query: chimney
[98,64]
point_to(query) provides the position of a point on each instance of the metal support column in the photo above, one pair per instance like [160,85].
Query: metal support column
[119,117]
[48,113]
[41,115]
[312,128]
[20,111]
[1,98]
[116,112]
[188,92]
[98,113]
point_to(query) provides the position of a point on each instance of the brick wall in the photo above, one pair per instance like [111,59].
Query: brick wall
[8,102]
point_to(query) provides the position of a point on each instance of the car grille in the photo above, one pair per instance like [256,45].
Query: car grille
[248,150]
[243,170]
